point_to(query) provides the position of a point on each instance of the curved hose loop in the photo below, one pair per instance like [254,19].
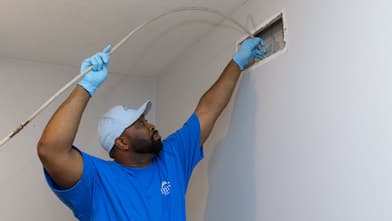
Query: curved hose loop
[134,31]
[176,10]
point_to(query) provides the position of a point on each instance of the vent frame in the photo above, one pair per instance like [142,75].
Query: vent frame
[263,28]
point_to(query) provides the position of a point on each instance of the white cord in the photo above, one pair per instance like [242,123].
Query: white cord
[58,93]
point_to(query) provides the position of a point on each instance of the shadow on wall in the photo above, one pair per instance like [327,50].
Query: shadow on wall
[231,173]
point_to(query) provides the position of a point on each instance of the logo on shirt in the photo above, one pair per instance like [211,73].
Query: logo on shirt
[165,188]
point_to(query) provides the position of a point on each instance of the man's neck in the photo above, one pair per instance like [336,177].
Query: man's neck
[136,160]
[137,164]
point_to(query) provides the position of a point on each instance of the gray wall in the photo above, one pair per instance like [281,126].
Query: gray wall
[24,86]
[307,135]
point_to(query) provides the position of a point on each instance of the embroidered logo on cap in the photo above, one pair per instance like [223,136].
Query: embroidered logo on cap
[125,108]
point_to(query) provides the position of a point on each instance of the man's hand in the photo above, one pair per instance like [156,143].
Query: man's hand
[248,51]
[94,78]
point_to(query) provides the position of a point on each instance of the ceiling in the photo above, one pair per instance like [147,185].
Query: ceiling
[66,32]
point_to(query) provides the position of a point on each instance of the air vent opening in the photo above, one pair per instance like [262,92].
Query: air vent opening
[274,35]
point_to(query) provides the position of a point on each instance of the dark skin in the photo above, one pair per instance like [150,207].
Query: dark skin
[65,165]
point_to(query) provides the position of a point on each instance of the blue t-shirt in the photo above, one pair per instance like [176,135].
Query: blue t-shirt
[110,191]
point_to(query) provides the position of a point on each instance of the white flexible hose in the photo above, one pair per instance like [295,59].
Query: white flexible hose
[58,93]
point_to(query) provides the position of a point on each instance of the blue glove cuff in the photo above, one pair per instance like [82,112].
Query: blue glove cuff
[88,86]
[238,62]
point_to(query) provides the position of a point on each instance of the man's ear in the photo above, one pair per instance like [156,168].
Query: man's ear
[121,143]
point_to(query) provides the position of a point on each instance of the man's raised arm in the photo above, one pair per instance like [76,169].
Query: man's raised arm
[216,98]
[63,163]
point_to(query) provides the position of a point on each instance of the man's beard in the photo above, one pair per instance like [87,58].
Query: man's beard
[148,147]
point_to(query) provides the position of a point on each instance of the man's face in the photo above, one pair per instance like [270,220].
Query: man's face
[143,137]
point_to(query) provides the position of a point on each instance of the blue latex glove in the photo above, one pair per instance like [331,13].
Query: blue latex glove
[98,74]
[248,51]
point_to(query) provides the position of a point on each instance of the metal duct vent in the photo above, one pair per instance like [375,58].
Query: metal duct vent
[274,35]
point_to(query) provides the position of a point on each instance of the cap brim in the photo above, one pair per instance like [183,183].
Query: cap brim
[146,107]
[143,110]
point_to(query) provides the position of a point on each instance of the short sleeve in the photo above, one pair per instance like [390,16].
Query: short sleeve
[79,197]
[185,143]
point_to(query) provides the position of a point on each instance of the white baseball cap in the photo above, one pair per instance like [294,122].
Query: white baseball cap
[116,120]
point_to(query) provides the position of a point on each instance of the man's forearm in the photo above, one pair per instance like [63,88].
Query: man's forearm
[217,97]
[61,129]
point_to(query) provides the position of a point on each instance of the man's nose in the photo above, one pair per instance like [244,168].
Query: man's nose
[152,127]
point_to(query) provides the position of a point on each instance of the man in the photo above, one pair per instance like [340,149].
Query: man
[148,178]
